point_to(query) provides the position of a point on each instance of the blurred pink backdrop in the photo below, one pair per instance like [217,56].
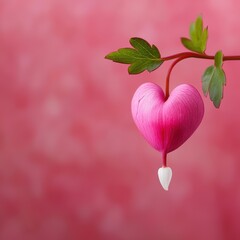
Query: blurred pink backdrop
[72,163]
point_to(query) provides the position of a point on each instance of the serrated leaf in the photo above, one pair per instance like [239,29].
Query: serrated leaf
[140,66]
[216,87]
[187,43]
[213,81]
[206,79]
[204,39]
[141,57]
[145,48]
[198,37]
[196,30]
[123,55]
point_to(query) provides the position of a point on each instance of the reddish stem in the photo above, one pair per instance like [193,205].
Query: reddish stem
[164,158]
[181,56]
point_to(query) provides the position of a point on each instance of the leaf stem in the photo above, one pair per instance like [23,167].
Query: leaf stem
[184,55]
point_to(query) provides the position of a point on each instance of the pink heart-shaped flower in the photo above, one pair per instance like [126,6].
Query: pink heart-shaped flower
[167,124]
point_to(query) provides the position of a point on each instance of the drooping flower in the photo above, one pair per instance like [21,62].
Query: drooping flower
[167,123]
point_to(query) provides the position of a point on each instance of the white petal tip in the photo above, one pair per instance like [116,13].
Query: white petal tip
[165,176]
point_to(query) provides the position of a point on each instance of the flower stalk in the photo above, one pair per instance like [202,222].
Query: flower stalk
[184,55]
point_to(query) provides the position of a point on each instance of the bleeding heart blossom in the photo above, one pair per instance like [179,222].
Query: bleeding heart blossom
[167,123]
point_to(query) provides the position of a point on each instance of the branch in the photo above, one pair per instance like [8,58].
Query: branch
[184,55]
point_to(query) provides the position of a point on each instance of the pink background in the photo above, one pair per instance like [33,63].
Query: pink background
[72,163]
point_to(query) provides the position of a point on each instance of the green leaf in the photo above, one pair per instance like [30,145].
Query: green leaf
[206,79]
[198,37]
[204,39]
[213,80]
[141,57]
[218,59]
[189,45]
[216,87]
[196,29]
